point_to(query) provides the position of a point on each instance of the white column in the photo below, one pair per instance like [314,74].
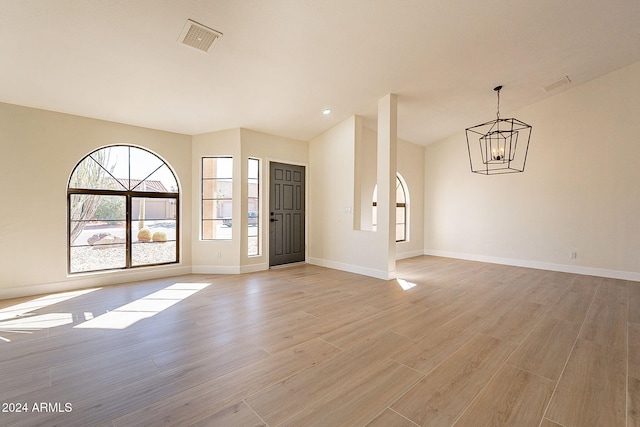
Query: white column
[387,165]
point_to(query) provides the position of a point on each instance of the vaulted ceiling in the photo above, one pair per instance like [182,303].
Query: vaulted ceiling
[280,62]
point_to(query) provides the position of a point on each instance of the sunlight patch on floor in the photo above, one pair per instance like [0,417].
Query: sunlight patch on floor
[405,285]
[20,319]
[37,322]
[143,308]
[38,303]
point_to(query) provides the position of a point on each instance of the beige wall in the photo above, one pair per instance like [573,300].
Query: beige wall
[333,242]
[230,256]
[411,167]
[365,177]
[336,238]
[39,151]
[215,256]
[41,148]
[579,191]
[267,148]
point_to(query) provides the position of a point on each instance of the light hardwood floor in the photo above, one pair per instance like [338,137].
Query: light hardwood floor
[470,344]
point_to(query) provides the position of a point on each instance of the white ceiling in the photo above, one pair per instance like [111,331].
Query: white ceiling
[280,62]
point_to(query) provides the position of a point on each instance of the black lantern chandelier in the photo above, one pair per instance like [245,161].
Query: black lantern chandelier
[492,145]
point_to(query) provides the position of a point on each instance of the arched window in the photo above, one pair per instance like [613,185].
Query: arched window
[402,209]
[123,207]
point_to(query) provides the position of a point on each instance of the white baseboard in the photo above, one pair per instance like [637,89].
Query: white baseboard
[252,268]
[106,278]
[565,268]
[228,269]
[215,269]
[378,274]
[411,254]
[93,280]
[83,281]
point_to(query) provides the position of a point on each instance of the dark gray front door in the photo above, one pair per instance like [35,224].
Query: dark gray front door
[286,214]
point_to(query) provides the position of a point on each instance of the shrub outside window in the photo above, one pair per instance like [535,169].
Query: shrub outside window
[123,207]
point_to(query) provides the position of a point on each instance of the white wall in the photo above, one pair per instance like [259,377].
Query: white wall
[39,149]
[579,191]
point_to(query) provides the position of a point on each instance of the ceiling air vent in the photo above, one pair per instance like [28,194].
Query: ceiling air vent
[198,36]
[563,81]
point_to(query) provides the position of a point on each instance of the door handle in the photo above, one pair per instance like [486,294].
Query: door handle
[273,220]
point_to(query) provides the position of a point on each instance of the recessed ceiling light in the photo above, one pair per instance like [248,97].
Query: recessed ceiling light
[326,111]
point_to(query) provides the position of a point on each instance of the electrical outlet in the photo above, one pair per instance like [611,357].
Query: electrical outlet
[573,255]
[218,254]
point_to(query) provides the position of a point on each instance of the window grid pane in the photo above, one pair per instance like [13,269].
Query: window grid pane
[153,230]
[401,223]
[89,258]
[217,198]
[253,232]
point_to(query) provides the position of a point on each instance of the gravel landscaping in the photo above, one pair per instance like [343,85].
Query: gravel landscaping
[102,257]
